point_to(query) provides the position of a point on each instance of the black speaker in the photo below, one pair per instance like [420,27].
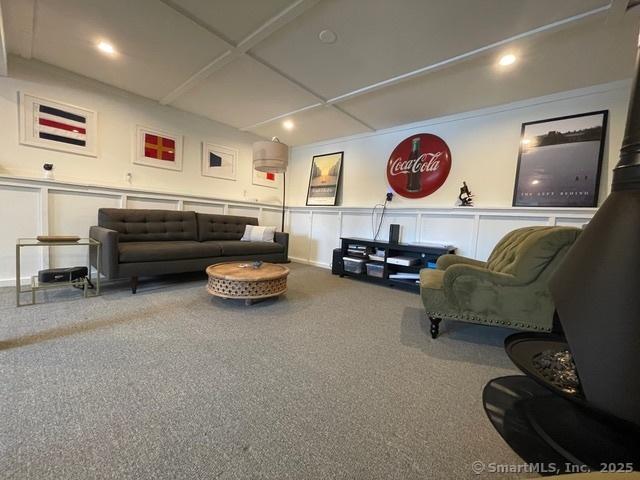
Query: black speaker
[337,266]
[394,233]
[53,275]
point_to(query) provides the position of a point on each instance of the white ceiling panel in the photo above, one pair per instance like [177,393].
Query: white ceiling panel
[380,39]
[244,93]
[561,61]
[18,25]
[157,48]
[167,50]
[234,19]
[321,123]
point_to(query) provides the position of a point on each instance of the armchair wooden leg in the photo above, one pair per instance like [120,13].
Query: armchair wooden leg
[435,326]
[134,285]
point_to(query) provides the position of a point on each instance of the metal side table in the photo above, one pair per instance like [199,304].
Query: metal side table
[36,286]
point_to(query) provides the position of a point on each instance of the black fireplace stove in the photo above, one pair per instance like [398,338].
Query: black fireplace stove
[579,404]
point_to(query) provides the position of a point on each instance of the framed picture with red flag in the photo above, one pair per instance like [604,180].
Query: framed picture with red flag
[58,126]
[158,148]
[267,179]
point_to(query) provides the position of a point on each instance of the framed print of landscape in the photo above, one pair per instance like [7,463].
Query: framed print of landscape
[559,161]
[324,179]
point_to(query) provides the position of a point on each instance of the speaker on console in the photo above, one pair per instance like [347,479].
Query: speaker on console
[337,265]
[394,233]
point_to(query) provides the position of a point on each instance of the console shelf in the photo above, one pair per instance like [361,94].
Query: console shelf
[423,253]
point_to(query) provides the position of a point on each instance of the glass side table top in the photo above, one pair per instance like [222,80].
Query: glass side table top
[34,242]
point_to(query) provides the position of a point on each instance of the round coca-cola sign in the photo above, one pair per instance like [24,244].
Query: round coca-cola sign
[419,165]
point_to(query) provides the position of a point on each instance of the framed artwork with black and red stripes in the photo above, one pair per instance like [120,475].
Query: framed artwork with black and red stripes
[158,148]
[58,126]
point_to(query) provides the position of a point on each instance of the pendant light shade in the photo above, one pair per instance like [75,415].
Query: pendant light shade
[270,156]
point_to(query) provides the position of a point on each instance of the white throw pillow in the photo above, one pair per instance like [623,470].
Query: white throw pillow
[253,233]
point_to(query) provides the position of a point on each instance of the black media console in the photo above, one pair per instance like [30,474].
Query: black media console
[373,261]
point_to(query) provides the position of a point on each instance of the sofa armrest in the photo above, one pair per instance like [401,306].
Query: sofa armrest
[445,261]
[283,239]
[108,250]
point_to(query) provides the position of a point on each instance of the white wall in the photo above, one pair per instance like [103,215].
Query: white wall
[484,147]
[118,114]
[483,143]
[30,206]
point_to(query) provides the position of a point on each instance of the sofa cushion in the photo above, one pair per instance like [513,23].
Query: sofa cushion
[159,251]
[222,227]
[236,247]
[149,225]
[255,233]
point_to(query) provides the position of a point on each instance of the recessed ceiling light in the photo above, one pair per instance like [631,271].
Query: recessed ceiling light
[507,60]
[106,47]
[327,36]
[288,125]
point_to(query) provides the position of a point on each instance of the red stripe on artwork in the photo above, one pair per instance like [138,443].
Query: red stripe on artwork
[62,126]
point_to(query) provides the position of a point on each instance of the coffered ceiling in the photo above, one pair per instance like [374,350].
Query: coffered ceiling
[254,63]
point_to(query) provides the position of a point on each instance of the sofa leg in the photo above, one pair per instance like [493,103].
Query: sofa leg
[435,326]
[134,285]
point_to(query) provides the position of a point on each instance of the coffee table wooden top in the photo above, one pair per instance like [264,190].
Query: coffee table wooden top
[236,272]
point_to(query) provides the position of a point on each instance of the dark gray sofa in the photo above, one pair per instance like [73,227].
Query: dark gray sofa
[154,242]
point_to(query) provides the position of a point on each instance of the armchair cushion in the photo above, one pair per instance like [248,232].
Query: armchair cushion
[525,252]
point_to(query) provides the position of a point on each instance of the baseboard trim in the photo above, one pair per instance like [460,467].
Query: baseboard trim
[11,282]
[310,262]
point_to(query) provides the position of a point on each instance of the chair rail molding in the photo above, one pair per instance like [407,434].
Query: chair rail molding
[474,231]
[37,206]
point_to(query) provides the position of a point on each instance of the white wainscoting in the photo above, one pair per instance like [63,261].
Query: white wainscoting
[316,231]
[31,206]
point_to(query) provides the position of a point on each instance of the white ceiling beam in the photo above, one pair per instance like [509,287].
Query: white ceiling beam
[234,51]
[280,117]
[275,23]
[617,11]
[321,100]
[551,27]
[4,71]
[25,20]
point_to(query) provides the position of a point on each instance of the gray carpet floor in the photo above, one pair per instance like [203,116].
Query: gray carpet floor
[336,379]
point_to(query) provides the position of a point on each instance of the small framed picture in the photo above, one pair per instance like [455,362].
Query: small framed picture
[560,160]
[267,179]
[219,161]
[324,179]
[57,126]
[158,148]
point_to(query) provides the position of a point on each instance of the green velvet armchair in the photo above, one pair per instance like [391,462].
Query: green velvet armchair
[509,289]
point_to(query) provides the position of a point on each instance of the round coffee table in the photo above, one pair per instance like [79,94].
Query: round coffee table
[241,280]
